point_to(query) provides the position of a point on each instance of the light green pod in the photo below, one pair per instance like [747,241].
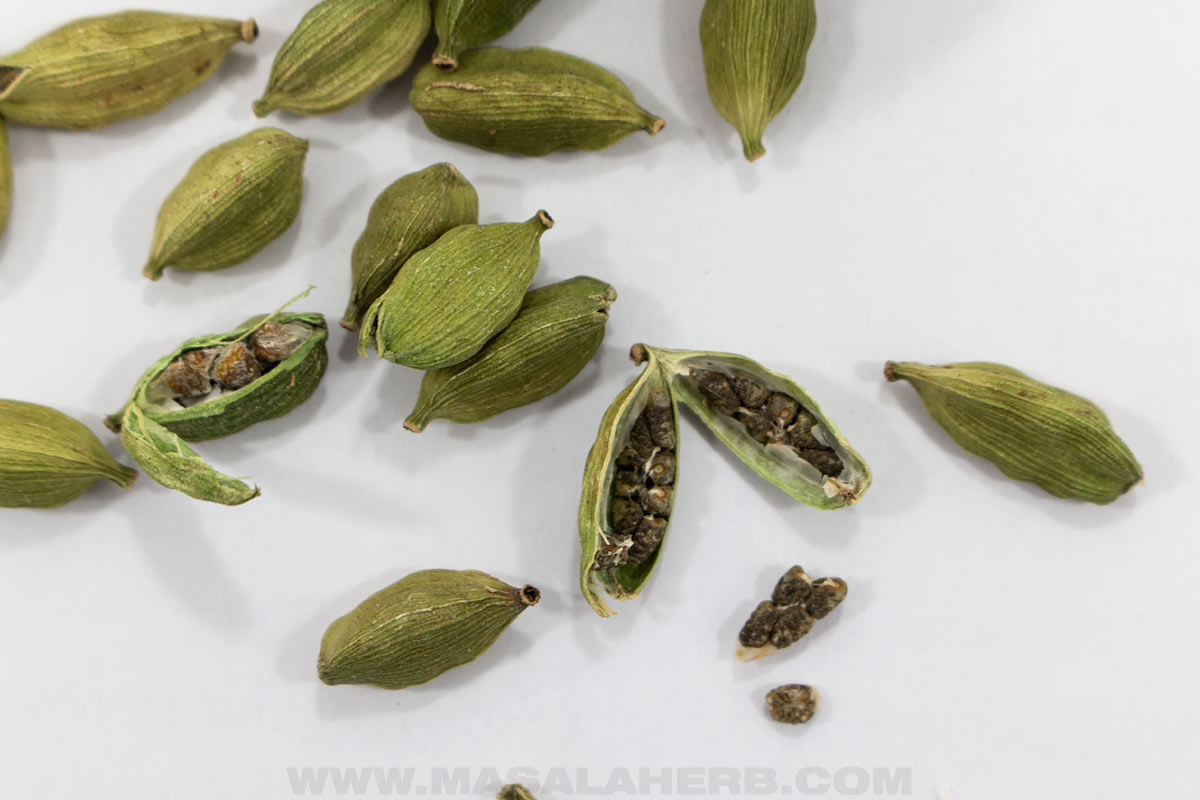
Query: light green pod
[419,627]
[531,101]
[235,200]
[754,56]
[341,51]
[48,459]
[408,216]
[554,336]
[456,294]
[463,24]
[1030,430]
[5,176]
[95,71]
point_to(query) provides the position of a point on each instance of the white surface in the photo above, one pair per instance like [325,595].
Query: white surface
[1012,180]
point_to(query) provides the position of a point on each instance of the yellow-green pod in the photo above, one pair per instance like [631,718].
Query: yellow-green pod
[463,24]
[5,176]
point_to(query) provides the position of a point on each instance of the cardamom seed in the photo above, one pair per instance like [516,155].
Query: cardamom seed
[455,295]
[769,422]
[234,201]
[463,24]
[95,71]
[408,216]
[554,336]
[215,386]
[796,604]
[341,51]
[625,511]
[514,791]
[754,59]
[48,459]
[5,176]
[531,101]
[793,703]
[1030,430]
[419,627]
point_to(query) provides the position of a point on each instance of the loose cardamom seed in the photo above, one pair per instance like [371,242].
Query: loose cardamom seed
[554,335]
[343,50]
[455,295]
[419,627]
[769,422]
[95,71]
[793,703]
[5,176]
[407,217]
[531,101]
[235,200]
[514,791]
[796,604]
[215,386]
[1030,430]
[48,459]
[754,57]
[463,24]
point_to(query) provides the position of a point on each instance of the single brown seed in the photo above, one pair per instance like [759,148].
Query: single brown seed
[626,516]
[187,376]
[657,501]
[757,425]
[793,624]
[275,342]
[611,556]
[793,703]
[660,419]
[662,468]
[629,459]
[757,630]
[640,439]
[715,388]
[781,409]
[800,434]
[827,594]
[752,393]
[647,539]
[628,483]
[794,587]
[825,460]
[236,367]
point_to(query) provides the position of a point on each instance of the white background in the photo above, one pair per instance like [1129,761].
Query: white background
[1011,180]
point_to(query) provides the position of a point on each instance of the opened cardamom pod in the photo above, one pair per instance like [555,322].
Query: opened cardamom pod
[531,101]
[754,58]
[1030,430]
[796,604]
[456,294]
[554,335]
[341,51]
[95,71]
[407,217]
[5,176]
[419,627]
[235,200]
[463,24]
[48,459]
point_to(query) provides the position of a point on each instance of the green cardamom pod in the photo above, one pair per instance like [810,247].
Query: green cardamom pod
[419,627]
[1030,430]
[96,71]
[554,335]
[215,386]
[531,101]
[48,459]
[343,50]
[463,24]
[514,791]
[754,57]
[234,201]
[629,490]
[769,422]
[408,216]
[5,176]
[456,294]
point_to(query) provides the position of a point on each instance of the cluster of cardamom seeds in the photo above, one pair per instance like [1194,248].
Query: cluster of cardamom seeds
[200,376]
[796,604]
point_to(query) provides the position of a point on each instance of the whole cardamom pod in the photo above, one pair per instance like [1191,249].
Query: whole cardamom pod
[341,51]
[5,176]
[514,791]
[234,201]
[554,335]
[463,24]
[456,294]
[1030,430]
[531,101]
[754,57]
[95,71]
[419,627]
[48,459]
[408,216]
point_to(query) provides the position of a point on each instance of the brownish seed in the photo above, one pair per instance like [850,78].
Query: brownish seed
[793,624]
[640,439]
[657,501]
[275,342]
[649,535]
[825,460]
[757,425]
[626,516]
[752,393]
[715,388]
[757,630]
[794,587]
[236,367]
[781,409]
[827,594]
[662,468]
[611,556]
[660,420]
[793,703]
[187,376]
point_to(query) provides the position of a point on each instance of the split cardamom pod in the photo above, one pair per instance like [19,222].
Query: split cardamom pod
[235,200]
[629,490]
[531,101]
[796,604]
[96,71]
[5,176]
[215,386]
[754,59]
[464,24]
[48,459]
[343,50]
[456,294]
[419,627]
[1030,430]
[793,703]
[768,421]
[408,216]
[554,335]
[514,791]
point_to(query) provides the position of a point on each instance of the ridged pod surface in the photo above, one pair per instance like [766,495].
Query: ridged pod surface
[531,101]
[96,71]
[5,176]
[341,51]
[754,57]
[463,24]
